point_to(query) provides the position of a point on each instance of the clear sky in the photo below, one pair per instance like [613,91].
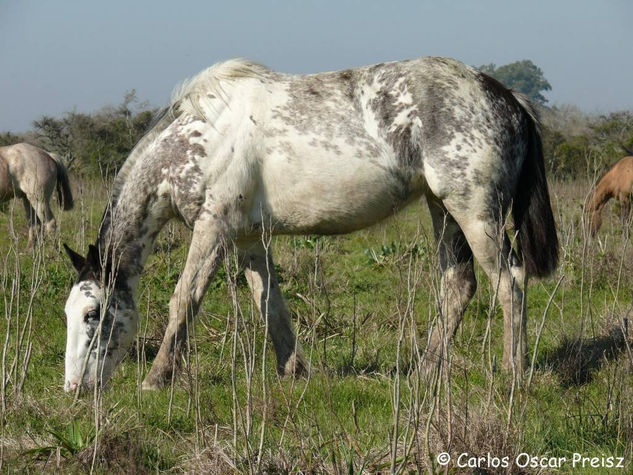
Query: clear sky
[82,54]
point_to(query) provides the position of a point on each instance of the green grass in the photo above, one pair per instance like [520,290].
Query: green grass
[348,315]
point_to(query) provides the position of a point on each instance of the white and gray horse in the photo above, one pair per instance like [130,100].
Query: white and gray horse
[242,147]
[31,174]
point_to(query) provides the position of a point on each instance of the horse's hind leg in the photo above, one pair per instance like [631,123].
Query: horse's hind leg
[205,253]
[31,217]
[260,273]
[458,284]
[44,213]
[41,208]
[492,249]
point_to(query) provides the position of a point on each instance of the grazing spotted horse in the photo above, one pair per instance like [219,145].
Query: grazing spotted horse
[242,147]
[31,174]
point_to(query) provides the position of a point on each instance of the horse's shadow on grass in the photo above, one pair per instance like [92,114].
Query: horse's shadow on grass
[577,360]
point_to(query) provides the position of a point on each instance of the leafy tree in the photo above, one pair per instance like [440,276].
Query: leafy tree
[9,138]
[571,157]
[614,133]
[99,142]
[523,76]
[54,136]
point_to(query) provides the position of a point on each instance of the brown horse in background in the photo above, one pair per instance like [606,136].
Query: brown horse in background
[30,173]
[616,183]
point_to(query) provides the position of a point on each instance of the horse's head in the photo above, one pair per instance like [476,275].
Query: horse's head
[101,322]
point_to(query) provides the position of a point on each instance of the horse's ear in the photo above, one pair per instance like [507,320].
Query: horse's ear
[79,262]
[93,257]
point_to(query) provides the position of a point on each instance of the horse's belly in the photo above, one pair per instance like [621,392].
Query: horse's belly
[313,198]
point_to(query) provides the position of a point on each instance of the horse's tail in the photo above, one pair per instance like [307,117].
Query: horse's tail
[64,193]
[531,207]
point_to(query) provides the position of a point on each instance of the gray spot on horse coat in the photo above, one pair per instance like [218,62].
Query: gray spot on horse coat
[327,109]
[458,121]
[175,157]
[178,146]
[388,105]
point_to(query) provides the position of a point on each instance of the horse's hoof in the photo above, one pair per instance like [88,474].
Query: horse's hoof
[150,386]
[296,366]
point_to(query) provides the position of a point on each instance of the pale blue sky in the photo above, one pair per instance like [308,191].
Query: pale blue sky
[82,54]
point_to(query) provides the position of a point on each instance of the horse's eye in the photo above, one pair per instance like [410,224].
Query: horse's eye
[92,316]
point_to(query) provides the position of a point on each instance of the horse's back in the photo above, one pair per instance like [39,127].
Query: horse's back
[333,152]
[347,148]
[23,154]
[619,178]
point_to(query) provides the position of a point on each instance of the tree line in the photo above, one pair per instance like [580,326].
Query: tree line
[93,143]
[575,144]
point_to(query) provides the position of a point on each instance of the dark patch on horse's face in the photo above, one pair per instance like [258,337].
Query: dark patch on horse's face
[112,329]
[86,288]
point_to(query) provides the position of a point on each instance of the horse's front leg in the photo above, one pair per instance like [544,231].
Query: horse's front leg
[259,270]
[205,253]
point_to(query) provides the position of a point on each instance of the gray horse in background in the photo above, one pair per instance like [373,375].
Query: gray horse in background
[31,174]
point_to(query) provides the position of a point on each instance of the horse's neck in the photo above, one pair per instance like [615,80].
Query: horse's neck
[604,192]
[128,229]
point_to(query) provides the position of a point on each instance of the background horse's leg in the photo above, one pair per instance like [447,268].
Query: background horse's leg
[259,270]
[625,213]
[42,209]
[205,253]
[44,213]
[458,284]
[31,217]
[492,249]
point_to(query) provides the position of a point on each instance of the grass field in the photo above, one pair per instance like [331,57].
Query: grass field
[362,304]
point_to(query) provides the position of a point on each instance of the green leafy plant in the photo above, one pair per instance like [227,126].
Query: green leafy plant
[69,442]
[393,252]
